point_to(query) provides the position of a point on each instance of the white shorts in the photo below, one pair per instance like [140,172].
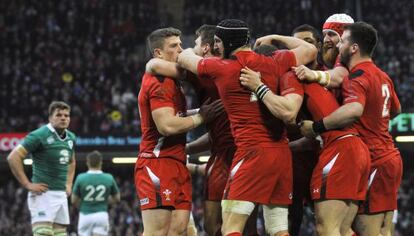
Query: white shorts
[51,206]
[93,223]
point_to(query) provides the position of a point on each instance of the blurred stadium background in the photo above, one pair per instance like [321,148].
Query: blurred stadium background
[91,54]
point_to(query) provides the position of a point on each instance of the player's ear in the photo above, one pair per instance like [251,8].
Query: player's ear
[354,48]
[206,48]
[158,53]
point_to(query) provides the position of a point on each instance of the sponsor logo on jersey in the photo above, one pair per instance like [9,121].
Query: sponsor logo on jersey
[41,213]
[64,157]
[64,153]
[167,193]
[70,144]
[315,190]
[144,201]
[50,140]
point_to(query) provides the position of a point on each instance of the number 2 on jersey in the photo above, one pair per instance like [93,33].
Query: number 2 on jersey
[91,190]
[386,96]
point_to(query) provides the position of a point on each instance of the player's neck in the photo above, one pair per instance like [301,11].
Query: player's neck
[95,169]
[358,60]
[61,132]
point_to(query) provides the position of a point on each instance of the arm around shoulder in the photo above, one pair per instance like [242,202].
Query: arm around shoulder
[189,60]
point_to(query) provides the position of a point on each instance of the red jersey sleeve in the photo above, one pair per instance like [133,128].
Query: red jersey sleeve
[161,94]
[354,89]
[290,84]
[208,67]
[284,59]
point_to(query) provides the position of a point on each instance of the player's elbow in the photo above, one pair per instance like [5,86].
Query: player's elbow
[288,117]
[312,52]
[309,54]
[117,198]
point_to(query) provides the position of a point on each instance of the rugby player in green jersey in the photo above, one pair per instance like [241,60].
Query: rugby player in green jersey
[52,150]
[93,191]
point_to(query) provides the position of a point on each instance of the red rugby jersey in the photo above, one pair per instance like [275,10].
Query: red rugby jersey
[374,90]
[251,122]
[157,92]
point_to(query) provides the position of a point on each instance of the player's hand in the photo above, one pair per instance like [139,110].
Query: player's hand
[68,189]
[210,111]
[306,128]
[264,40]
[250,79]
[304,73]
[37,188]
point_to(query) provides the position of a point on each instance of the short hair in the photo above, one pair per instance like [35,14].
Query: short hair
[57,105]
[157,37]
[206,33]
[308,28]
[265,49]
[365,35]
[94,159]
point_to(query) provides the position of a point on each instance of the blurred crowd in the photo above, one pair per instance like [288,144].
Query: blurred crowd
[125,217]
[91,53]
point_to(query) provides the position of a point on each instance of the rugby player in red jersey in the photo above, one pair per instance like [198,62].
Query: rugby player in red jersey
[369,102]
[261,168]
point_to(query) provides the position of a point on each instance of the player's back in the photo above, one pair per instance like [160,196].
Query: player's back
[94,189]
[219,128]
[157,92]
[380,99]
[320,102]
[251,122]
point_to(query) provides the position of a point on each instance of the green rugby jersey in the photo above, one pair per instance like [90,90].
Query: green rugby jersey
[93,188]
[51,156]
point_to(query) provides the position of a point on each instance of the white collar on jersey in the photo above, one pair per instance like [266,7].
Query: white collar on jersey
[94,172]
[51,128]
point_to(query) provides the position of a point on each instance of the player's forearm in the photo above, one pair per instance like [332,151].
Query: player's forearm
[343,116]
[177,125]
[189,60]
[337,75]
[199,145]
[162,67]
[71,172]
[281,107]
[304,51]
[15,161]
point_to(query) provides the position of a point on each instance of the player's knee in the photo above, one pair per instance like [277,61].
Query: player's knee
[42,230]
[238,207]
[276,219]
[59,232]
[178,228]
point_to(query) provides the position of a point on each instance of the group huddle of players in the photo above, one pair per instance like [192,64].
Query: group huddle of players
[293,118]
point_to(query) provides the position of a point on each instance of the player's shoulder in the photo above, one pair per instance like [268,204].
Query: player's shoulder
[359,73]
[81,177]
[216,61]
[109,176]
[151,80]
[42,131]
[71,134]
